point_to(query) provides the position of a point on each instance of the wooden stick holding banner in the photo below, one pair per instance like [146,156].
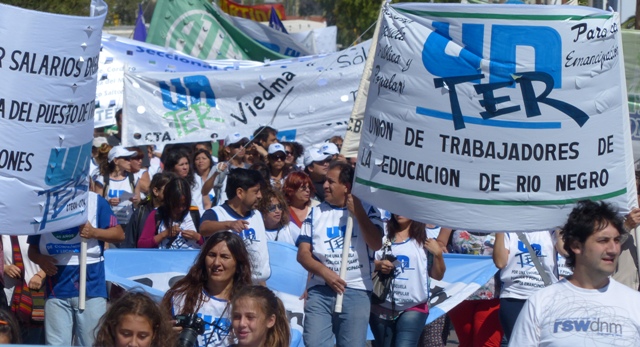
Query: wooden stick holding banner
[82,291]
[364,85]
[346,245]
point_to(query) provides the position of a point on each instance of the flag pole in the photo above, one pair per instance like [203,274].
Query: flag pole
[83,275]
[346,245]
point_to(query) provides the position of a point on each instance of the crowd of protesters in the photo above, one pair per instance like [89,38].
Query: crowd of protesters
[228,205]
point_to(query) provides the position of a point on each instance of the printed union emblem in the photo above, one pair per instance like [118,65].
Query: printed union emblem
[199,34]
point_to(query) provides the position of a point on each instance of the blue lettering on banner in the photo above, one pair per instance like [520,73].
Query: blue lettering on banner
[67,173]
[196,86]
[464,68]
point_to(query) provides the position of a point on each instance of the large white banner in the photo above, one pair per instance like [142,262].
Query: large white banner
[496,118]
[307,99]
[119,53]
[48,66]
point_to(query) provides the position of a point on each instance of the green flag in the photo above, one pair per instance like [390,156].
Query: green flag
[196,28]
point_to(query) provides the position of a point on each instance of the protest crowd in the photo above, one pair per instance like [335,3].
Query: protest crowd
[228,205]
[372,276]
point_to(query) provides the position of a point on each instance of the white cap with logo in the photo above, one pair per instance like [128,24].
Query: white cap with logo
[120,152]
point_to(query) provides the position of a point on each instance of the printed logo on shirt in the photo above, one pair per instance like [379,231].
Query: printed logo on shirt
[588,325]
[115,193]
[249,236]
[66,235]
[335,237]
[525,256]
[404,263]
[215,329]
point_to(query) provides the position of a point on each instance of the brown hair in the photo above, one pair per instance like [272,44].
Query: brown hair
[265,202]
[139,304]
[193,285]
[278,335]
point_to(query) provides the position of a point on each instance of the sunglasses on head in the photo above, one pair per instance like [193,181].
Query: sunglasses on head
[272,208]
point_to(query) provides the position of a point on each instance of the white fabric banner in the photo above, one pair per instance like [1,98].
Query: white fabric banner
[48,89]
[307,99]
[496,118]
[319,40]
[275,40]
[118,52]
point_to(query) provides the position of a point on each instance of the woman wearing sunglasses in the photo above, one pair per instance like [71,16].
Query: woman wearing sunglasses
[274,214]
[277,166]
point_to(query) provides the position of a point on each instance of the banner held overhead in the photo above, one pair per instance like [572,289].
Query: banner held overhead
[48,89]
[477,115]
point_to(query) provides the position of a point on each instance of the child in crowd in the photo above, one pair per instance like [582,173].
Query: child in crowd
[170,226]
[9,329]
[135,320]
[259,319]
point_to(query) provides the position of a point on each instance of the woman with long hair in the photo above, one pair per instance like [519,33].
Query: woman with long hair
[152,201]
[141,178]
[412,258]
[298,190]
[178,161]
[135,320]
[273,208]
[259,318]
[204,171]
[170,226]
[221,269]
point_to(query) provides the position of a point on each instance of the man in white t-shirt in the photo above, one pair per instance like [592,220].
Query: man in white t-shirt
[320,246]
[587,308]
[239,214]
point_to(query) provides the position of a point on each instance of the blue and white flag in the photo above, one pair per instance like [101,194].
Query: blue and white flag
[275,22]
[154,271]
[140,32]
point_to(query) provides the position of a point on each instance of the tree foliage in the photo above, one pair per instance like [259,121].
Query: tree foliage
[121,12]
[355,18]
[70,7]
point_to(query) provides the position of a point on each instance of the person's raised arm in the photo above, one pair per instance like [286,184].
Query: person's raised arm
[370,231]
[500,251]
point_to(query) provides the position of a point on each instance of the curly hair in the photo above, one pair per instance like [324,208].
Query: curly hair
[585,219]
[265,202]
[139,304]
[193,286]
[271,305]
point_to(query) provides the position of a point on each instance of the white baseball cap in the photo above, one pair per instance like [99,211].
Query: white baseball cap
[120,152]
[276,147]
[330,148]
[99,141]
[233,139]
[312,154]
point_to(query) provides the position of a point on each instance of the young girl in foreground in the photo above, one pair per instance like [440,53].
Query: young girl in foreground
[135,320]
[259,319]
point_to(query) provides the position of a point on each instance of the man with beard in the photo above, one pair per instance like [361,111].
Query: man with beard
[239,214]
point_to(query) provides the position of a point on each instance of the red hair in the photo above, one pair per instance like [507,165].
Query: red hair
[294,181]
